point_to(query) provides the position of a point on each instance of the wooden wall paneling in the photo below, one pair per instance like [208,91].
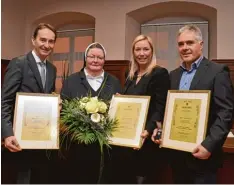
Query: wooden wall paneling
[117,68]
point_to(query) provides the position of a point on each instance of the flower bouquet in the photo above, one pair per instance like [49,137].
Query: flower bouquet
[85,120]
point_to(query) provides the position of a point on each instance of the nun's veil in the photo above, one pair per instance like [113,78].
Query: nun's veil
[91,46]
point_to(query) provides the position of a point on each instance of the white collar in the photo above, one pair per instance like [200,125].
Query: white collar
[90,76]
[37,58]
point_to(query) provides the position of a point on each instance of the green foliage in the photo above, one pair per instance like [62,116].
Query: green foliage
[76,123]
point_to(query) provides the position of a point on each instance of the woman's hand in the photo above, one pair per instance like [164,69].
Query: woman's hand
[156,139]
[156,136]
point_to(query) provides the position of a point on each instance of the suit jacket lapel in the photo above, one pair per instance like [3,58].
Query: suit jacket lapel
[49,77]
[33,65]
[200,73]
[175,79]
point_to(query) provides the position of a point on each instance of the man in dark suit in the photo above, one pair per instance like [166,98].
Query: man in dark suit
[198,73]
[30,73]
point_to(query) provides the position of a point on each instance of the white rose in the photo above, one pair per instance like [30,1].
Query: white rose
[102,107]
[92,107]
[84,100]
[94,99]
[96,117]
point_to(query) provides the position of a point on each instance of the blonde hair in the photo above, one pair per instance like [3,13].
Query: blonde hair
[134,66]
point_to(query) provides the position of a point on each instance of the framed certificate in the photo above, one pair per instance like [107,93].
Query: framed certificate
[36,120]
[131,113]
[185,120]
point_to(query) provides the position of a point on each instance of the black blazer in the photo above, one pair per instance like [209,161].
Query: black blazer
[22,75]
[76,85]
[155,85]
[214,77]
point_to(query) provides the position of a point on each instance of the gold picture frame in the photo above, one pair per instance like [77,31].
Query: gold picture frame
[36,120]
[185,120]
[131,112]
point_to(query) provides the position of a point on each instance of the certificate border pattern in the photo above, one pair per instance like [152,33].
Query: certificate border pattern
[147,98]
[18,94]
[163,144]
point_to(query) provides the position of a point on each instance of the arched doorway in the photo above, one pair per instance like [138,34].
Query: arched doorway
[136,18]
[75,32]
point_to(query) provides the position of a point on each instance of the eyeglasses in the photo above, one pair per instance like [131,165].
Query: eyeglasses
[93,57]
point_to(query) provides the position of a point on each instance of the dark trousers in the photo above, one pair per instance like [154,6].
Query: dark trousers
[129,166]
[25,167]
[186,169]
[24,174]
[119,169]
[80,164]
[183,175]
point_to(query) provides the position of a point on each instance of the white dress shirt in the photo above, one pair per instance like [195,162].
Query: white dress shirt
[38,60]
[94,82]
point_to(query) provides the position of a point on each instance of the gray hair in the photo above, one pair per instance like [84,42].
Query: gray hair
[192,28]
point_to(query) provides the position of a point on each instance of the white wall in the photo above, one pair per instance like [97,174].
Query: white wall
[111,19]
[13,29]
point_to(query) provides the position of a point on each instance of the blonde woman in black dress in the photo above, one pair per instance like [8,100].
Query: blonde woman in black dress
[145,77]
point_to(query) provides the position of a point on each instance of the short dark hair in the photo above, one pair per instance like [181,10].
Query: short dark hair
[42,26]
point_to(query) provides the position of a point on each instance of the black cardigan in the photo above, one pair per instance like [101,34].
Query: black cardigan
[156,85]
[76,85]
